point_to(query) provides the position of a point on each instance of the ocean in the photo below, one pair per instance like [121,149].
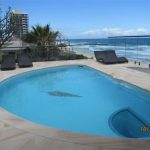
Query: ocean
[135,49]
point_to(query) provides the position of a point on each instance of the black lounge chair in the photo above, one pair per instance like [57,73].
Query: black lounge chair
[122,60]
[106,57]
[109,57]
[8,62]
[24,61]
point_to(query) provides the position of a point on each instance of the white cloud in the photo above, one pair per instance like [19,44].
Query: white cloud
[105,32]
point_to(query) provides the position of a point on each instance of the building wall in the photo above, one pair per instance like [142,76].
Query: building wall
[21,23]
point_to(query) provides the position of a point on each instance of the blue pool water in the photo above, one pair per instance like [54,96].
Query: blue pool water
[74,98]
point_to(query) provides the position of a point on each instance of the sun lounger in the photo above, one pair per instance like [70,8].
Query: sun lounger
[106,57]
[8,62]
[109,57]
[112,54]
[24,61]
[122,60]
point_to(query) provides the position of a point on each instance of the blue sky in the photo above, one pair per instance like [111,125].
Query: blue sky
[87,18]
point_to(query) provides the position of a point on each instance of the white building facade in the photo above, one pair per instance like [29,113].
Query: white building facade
[21,23]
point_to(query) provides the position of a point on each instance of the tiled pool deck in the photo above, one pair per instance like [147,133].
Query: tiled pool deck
[19,134]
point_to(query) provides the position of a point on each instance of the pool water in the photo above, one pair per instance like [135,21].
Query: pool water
[73,98]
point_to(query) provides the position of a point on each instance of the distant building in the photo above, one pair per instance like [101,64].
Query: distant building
[21,23]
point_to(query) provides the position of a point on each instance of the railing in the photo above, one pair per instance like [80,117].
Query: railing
[134,49]
[48,53]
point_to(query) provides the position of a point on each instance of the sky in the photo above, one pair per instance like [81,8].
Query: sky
[87,18]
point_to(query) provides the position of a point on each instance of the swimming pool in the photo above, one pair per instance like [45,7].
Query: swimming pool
[78,99]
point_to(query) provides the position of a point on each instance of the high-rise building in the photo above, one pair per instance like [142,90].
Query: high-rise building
[21,23]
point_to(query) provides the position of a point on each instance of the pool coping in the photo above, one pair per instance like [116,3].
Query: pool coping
[66,136]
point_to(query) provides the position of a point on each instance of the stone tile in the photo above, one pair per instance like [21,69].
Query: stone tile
[32,142]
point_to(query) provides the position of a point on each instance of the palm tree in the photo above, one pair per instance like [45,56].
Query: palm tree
[43,37]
